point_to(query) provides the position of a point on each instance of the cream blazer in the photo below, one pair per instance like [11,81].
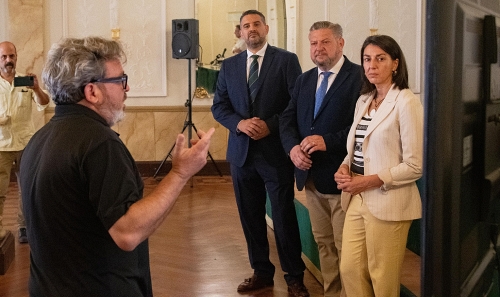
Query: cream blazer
[392,149]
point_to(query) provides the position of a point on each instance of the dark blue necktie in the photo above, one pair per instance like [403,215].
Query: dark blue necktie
[253,75]
[321,92]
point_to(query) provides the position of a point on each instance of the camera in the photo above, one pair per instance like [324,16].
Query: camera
[24,81]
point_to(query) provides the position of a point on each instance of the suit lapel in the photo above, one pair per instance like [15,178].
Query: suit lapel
[241,72]
[311,84]
[341,77]
[266,65]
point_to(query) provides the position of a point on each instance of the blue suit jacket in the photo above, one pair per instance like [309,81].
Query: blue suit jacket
[231,104]
[332,122]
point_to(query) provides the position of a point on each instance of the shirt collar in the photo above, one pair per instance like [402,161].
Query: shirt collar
[261,52]
[75,108]
[15,75]
[336,68]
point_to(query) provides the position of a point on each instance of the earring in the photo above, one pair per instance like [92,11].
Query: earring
[394,72]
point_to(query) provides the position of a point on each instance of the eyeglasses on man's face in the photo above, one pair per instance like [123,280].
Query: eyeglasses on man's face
[120,79]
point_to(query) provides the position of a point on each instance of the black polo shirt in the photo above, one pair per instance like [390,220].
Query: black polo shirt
[77,179]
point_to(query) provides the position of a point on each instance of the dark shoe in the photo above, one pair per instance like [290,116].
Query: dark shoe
[21,234]
[297,289]
[255,283]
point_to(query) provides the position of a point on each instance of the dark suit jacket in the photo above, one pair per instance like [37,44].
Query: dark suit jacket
[332,122]
[231,104]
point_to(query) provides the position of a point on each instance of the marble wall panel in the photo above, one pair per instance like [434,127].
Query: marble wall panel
[150,133]
[169,124]
[137,132]
[218,144]
[26,31]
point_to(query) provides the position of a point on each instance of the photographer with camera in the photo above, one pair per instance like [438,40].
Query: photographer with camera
[17,91]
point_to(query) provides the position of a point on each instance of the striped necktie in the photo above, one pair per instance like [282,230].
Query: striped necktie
[321,92]
[253,75]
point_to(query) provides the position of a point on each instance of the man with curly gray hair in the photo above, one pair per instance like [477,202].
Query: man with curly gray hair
[82,193]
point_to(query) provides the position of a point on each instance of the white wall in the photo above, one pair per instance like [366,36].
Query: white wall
[169,77]
[401,20]
[217,21]
[155,78]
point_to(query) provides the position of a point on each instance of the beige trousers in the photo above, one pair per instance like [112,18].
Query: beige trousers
[373,252]
[9,160]
[327,222]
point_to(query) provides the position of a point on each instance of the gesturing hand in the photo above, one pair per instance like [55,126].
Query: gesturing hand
[188,161]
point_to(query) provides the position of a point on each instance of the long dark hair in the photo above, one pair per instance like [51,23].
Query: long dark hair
[391,47]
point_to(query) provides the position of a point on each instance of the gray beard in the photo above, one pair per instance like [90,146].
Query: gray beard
[117,117]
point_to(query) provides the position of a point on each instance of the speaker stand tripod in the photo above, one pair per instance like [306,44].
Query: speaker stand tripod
[189,125]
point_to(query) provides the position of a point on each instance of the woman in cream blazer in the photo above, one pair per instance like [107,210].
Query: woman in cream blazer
[379,194]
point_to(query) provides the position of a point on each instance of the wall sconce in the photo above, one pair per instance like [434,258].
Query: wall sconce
[373,10]
[113,19]
[115,33]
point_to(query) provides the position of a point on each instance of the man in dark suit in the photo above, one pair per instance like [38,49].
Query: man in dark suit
[253,88]
[313,131]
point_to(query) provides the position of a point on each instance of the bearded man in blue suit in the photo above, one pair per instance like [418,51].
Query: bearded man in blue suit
[253,89]
[314,133]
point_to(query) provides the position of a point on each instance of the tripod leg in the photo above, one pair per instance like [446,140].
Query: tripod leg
[215,164]
[209,155]
[169,152]
[162,162]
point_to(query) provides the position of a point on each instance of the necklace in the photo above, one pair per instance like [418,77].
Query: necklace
[378,103]
[374,110]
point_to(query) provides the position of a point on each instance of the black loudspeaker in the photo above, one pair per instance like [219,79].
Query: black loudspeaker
[185,39]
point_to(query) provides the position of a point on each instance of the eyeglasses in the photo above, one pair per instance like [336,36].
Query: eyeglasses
[120,79]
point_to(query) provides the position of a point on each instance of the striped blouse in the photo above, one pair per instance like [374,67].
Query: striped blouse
[358,164]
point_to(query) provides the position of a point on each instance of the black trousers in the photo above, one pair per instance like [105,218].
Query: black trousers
[252,183]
